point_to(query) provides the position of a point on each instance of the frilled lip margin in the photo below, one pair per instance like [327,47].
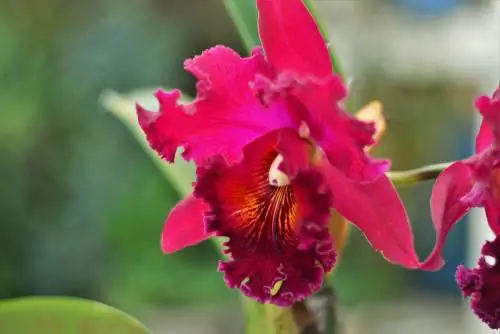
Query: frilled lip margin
[279,243]
[482,284]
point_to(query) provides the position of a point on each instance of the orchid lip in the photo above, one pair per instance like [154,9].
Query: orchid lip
[276,177]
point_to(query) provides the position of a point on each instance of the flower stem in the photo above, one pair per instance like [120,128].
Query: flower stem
[417,175]
[304,318]
[332,325]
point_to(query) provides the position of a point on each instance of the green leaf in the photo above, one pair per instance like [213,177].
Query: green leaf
[64,315]
[180,174]
[244,15]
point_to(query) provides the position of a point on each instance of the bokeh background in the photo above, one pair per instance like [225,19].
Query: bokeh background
[82,206]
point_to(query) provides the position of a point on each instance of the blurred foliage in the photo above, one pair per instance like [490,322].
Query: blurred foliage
[51,315]
[82,209]
[181,175]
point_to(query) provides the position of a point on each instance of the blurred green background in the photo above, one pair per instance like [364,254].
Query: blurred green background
[82,206]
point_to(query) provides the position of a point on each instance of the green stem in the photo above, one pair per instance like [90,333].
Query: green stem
[417,175]
[304,318]
[332,325]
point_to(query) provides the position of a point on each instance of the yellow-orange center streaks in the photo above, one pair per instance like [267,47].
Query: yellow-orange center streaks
[266,213]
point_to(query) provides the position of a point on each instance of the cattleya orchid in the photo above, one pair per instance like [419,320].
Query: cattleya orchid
[474,182]
[275,154]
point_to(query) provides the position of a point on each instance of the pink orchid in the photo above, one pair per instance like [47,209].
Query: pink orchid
[474,182]
[275,153]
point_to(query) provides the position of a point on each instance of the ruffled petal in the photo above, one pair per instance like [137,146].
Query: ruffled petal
[224,117]
[296,152]
[376,210]
[484,137]
[339,226]
[279,243]
[346,144]
[342,137]
[448,207]
[490,110]
[482,284]
[373,113]
[291,38]
[185,225]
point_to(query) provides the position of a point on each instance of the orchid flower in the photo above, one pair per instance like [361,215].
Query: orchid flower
[474,182]
[275,153]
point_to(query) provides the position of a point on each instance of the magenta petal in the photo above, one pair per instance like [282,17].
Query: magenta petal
[185,225]
[481,284]
[492,208]
[447,207]
[343,137]
[484,137]
[376,210]
[295,151]
[490,110]
[291,38]
[223,118]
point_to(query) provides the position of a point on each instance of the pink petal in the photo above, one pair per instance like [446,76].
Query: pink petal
[308,99]
[291,38]
[373,113]
[492,208]
[447,207]
[484,137]
[344,138]
[481,283]
[225,115]
[185,225]
[490,110]
[376,210]
[345,144]
[296,152]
